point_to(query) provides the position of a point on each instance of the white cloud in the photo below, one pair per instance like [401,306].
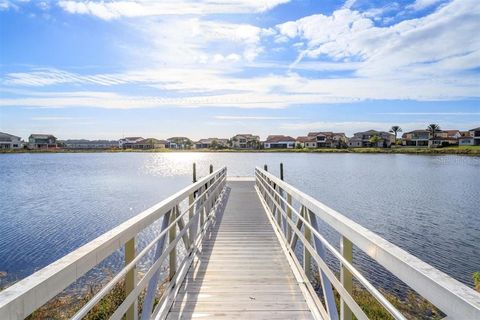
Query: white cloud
[253,118]
[423,4]
[440,44]
[131,9]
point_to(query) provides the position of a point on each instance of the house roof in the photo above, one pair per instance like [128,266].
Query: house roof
[42,136]
[151,141]
[210,140]
[133,138]
[452,132]
[246,135]
[315,134]
[305,139]
[279,138]
[8,135]
[418,131]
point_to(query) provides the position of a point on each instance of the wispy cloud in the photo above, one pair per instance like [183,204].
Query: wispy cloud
[118,9]
[254,118]
[53,118]
[431,113]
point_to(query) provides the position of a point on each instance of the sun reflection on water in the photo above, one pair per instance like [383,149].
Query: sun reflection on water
[172,164]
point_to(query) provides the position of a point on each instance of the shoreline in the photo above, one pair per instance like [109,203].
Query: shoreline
[463,150]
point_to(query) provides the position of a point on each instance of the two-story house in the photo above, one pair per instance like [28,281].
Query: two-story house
[416,138]
[42,141]
[363,139]
[279,142]
[328,139]
[179,143]
[470,137]
[245,141]
[9,141]
[211,143]
[150,143]
[306,142]
[128,142]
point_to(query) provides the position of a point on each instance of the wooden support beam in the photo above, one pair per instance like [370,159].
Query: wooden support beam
[130,278]
[172,234]
[346,278]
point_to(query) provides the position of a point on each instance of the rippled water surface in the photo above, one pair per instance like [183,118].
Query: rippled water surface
[51,204]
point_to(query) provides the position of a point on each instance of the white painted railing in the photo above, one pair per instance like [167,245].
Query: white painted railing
[204,198]
[295,216]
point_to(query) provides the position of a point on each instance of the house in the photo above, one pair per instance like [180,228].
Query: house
[9,141]
[470,137]
[279,142]
[42,141]
[245,141]
[362,139]
[150,143]
[306,142]
[179,143]
[416,138]
[89,144]
[328,139]
[128,142]
[211,143]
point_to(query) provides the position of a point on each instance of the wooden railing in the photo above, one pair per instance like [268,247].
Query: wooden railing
[295,216]
[185,224]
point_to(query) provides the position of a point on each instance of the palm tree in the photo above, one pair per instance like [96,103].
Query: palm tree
[395,130]
[433,128]
[374,140]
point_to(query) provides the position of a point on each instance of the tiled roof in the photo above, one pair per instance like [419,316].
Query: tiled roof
[278,138]
[305,139]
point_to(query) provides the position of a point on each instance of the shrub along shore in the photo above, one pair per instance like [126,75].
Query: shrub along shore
[465,150]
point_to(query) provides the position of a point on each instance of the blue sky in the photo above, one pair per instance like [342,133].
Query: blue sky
[213,68]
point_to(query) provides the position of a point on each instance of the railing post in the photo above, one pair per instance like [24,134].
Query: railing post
[130,278]
[265,167]
[191,212]
[172,234]
[211,168]
[194,172]
[281,171]
[346,277]
[289,216]
[307,257]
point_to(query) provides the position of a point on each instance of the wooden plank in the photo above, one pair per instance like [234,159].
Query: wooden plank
[251,315]
[241,271]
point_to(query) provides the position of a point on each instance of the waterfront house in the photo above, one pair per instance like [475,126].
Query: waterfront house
[9,141]
[89,144]
[470,137]
[306,142]
[179,143]
[279,142]
[128,142]
[362,139]
[328,139]
[150,143]
[42,141]
[245,141]
[211,143]
[416,138]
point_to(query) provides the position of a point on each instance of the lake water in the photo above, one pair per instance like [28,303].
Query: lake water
[51,204]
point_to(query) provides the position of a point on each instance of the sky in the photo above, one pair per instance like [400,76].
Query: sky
[215,68]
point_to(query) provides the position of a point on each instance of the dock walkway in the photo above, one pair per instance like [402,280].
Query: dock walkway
[242,271]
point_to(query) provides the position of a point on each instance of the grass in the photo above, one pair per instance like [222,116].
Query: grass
[465,150]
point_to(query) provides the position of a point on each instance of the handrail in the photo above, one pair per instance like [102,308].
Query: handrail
[455,299]
[24,297]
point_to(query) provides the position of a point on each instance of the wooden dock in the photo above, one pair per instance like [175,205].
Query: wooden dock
[239,248]
[242,271]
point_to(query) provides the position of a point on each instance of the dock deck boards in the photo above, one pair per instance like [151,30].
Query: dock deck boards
[242,271]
